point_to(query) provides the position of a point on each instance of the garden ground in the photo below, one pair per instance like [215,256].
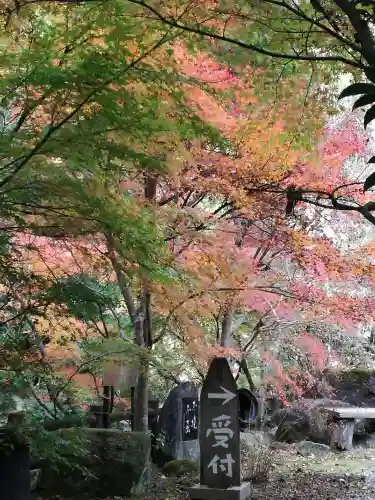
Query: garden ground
[336,476]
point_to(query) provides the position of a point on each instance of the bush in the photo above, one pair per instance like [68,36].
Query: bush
[111,463]
[257,463]
[180,468]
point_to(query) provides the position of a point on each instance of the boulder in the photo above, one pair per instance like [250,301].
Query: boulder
[294,426]
[97,463]
[308,448]
[355,386]
[313,408]
[279,446]
[305,421]
[179,468]
[34,478]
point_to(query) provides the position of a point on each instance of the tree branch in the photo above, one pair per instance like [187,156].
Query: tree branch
[54,128]
[200,31]
[121,280]
[361,28]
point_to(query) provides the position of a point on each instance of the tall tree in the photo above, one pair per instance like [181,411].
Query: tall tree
[84,106]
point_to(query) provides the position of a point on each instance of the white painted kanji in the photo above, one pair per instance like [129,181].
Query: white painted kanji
[224,464]
[221,431]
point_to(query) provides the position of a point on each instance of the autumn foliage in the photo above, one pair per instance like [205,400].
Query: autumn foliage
[185,171]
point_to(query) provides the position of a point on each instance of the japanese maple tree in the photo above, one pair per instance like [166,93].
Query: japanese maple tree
[129,159]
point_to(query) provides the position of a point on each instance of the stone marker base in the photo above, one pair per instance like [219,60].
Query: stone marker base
[201,492]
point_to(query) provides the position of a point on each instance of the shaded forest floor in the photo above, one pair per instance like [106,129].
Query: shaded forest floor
[336,476]
[295,487]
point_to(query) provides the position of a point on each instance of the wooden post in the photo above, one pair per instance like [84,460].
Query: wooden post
[97,411]
[132,391]
[106,405]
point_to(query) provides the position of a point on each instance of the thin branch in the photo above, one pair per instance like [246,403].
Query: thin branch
[53,129]
[245,45]
[125,290]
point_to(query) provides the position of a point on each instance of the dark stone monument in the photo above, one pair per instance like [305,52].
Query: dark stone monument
[219,437]
[177,436]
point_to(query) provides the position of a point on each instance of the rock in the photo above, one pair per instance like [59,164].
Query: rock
[34,478]
[294,426]
[274,419]
[170,440]
[308,448]
[125,425]
[320,431]
[279,446]
[305,421]
[179,468]
[322,420]
[272,432]
[355,387]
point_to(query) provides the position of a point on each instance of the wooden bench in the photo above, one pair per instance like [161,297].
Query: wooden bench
[343,424]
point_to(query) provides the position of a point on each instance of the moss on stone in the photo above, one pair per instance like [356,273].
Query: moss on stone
[112,463]
[180,468]
[357,375]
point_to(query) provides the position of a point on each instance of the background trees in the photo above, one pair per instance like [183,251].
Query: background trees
[151,195]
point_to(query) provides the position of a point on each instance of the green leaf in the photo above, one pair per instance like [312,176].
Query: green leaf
[371,160]
[364,101]
[356,89]
[369,182]
[84,296]
[369,116]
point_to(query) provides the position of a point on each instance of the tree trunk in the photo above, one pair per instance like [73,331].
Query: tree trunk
[141,389]
[226,330]
[226,335]
[141,399]
[141,320]
[143,336]
[245,369]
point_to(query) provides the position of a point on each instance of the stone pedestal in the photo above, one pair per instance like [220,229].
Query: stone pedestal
[201,492]
[342,434]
